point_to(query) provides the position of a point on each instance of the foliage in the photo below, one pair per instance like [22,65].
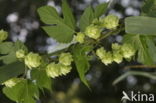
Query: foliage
[24,73]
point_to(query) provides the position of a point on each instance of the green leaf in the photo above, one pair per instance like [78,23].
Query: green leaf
[100,9]
[19,45]
[41,78]
[6,47]
[11,70]
[81,60]
[149,8]
[139,42]
[67,14]
[86,18]
[59,29]
[9,58]
[23,92]
[140,25]
[64,35]
[151,48]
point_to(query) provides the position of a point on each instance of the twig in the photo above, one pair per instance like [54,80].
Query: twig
[140,66]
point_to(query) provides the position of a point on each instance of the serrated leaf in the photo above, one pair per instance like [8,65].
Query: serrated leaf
[59,29]
[67,14]
[11,70]
[9,58]
[139,42]
[140,25]
[81,61]
[6,47]
[63,35]
[86,18]
[41,78]
[23,92]
[151,48]
[100,9]
[19,45]
[149,8]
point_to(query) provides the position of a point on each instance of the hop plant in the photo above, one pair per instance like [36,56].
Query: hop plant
[20,54]
[117,57]
[101,52]
[12,82]
[53,70]
[127,50]
[3,35]
[80,37]
[110,21]
[108,58]
[33,60]
[64,69]
[93,31]
[65,59]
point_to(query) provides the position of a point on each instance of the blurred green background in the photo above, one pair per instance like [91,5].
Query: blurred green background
[20,19]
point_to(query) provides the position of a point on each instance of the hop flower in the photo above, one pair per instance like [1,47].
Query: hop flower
[20,53]
[110,21]
[65,59]
[100,52]
[33,60]
[116,46]
[12,82]
[108,58]
[127,50]
[53,70]
[80,37]
[3,35]
[65,69]
[93,31]
[117,57]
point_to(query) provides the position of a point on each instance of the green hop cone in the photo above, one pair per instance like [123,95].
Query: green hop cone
[110,21]
[127,50]
[93,31]
[65,59]
[116,46]
[108,58]
[3,35]
[33,60]
[101,52]
[117,57]
[80,37]
[53,70]
[12,82]
[20,54]
[64,69]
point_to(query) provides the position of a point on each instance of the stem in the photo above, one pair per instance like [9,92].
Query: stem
[140,66]
[138,73]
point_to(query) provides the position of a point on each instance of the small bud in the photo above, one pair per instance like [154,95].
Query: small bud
[128,50]
[53,70]
[20,54]
[33,60]
[108,58]
[110,21]
[93,31]
[100,52]
[117,57]
[65,59]
[12,82]
[80,37]
[65,69]
[3,35]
